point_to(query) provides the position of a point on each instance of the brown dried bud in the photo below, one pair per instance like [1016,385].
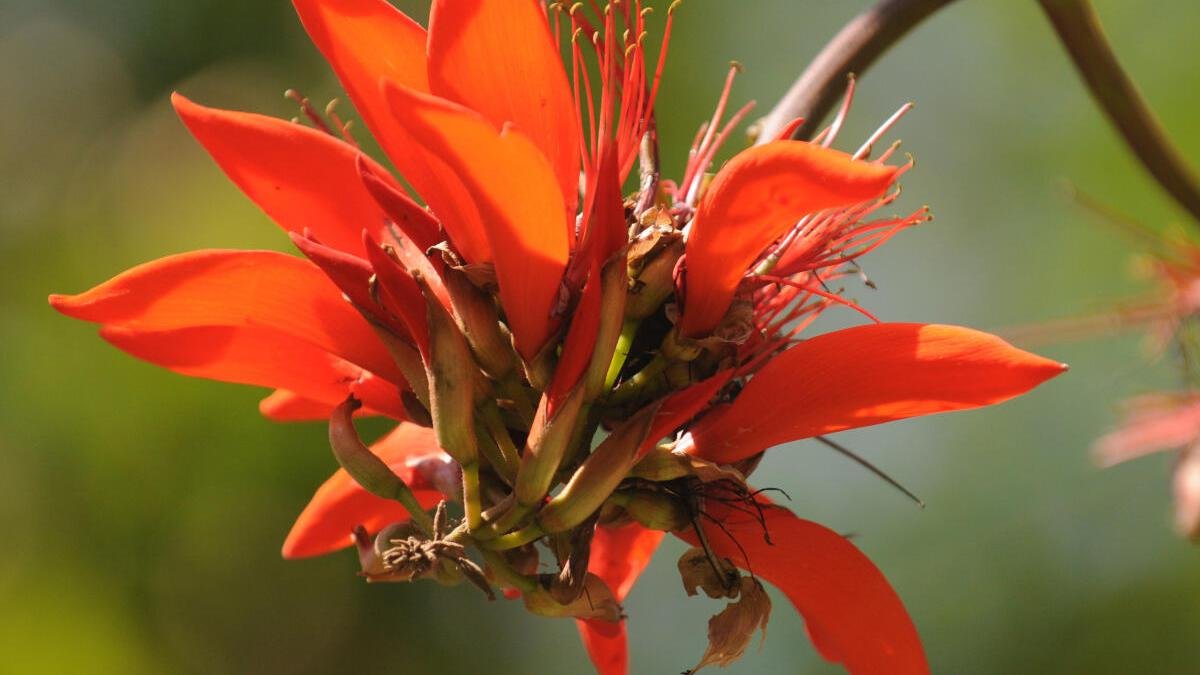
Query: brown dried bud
[730,632]
[738,323]
[596,602]
[678,348]
[716,577]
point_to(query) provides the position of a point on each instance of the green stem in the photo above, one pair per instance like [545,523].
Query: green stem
[506,575]
[527,535]
[632,388]
[472,503]
[509,458]
[419,516]
[511,518]
[581,438]
[624,345]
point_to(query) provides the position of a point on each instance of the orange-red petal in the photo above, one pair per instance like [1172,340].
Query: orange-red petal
[366,41]
[498,58]
[260,357]
[263,289]
[680,407]
[340,504]
[400,294]
[852,614]
[619,554]
[282,405]
[1152,423]
[515,190]
[352,274]
[868,375]
[302,178]
[409,217]
[752,201]
[579,344]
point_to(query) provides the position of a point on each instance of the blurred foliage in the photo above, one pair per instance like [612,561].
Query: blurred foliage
[145,510]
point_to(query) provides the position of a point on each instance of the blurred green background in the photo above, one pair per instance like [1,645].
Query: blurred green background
[144,511]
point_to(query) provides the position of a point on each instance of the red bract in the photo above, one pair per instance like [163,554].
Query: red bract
[572,364]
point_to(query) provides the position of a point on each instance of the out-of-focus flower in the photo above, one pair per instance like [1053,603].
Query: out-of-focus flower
[582,370]
[1161,421]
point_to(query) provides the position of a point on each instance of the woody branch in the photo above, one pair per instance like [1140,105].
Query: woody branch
[873,32]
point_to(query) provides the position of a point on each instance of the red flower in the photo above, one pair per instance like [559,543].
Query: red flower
[532,305]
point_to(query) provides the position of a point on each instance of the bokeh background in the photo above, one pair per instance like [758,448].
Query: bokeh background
[142,512]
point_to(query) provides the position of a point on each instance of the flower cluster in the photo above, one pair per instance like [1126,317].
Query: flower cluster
[1165,421]
[579,358]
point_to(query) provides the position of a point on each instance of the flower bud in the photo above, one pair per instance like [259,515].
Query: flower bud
[651,268]
[569,584]
[663,464]
[366,468]
[480,323]
[613,297]
[655,510]
[453,381]
[595,602]
[545,448]
[595,480]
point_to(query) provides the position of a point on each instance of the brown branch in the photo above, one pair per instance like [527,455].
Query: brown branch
[852,50]
[1080,32]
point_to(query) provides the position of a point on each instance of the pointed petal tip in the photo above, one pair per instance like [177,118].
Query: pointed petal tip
[298,544]
[186,108]
[60,302]
[73,306]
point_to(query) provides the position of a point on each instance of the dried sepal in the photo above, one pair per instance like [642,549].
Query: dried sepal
[717,577]
[651,267]
[730,631]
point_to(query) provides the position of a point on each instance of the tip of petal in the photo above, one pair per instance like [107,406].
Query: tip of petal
[60,302]
[184,106]
[297,545]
